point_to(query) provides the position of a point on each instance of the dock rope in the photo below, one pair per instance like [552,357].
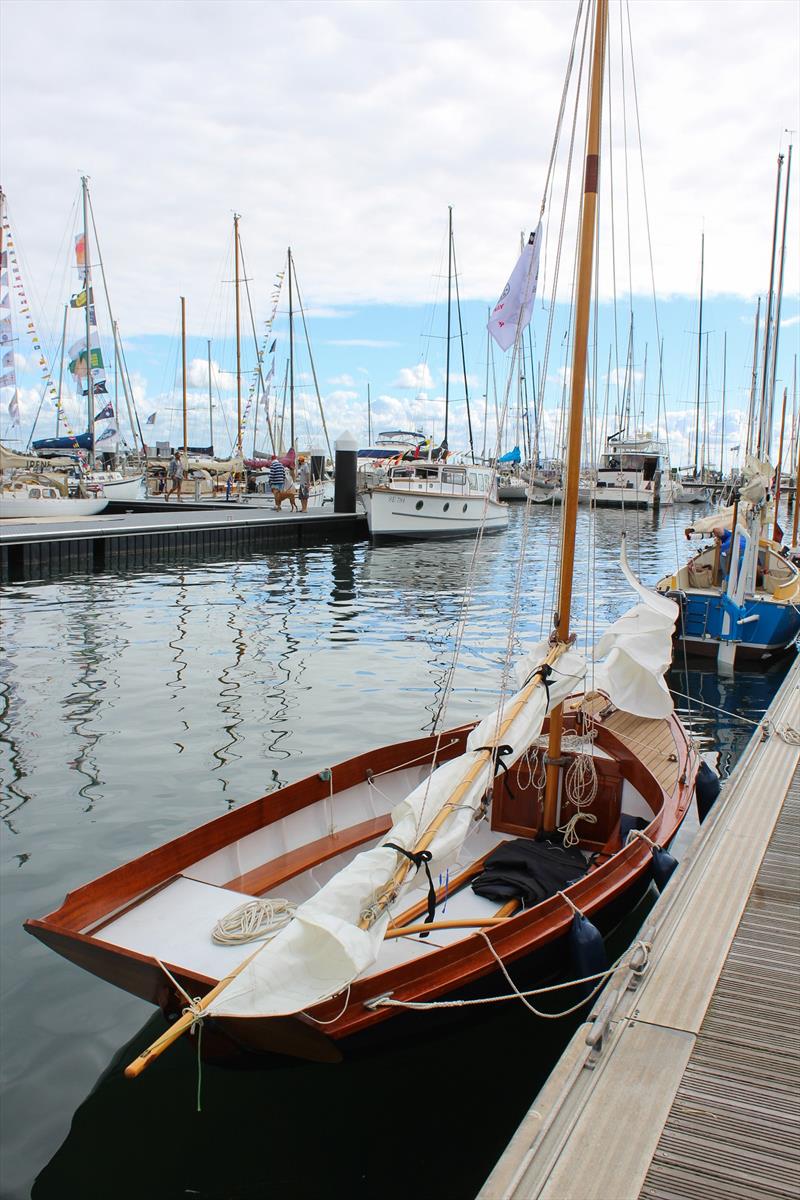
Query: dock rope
[635,960]
[255,921]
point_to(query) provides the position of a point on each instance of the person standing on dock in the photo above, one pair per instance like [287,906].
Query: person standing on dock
[281,484]
[303,482]
[175,473]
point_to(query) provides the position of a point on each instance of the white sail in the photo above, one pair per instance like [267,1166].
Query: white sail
[324,949]
[638,649]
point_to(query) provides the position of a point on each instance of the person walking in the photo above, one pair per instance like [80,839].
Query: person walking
[303,482]
[175,475]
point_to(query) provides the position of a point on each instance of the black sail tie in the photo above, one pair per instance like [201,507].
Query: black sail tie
[420,858]
[498,753]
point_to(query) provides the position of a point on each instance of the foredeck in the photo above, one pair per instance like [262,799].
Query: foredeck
[690,1084]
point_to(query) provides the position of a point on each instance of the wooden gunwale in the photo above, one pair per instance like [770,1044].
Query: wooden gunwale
[109,892]
[443,969]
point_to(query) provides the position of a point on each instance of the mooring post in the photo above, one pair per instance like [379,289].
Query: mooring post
[344,496]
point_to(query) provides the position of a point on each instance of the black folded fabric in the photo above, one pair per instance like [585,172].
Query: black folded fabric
[527,870]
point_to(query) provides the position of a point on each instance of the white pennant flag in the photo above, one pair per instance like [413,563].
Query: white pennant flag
[514,308]
[13,410]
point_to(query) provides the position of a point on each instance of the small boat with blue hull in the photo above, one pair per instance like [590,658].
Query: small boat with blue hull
[741,605]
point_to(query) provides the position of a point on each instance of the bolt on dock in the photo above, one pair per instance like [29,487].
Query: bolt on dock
[685,1081]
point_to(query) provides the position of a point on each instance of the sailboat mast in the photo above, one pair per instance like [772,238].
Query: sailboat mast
[369,418]
[238,339]
[449,300]
[753,383]
[569,508]
[183,359]
[87,287]
[724,381]
[291,356]
[776,529]
[779,300]
[764,430]
[210,403]
[699,355]
[61,368]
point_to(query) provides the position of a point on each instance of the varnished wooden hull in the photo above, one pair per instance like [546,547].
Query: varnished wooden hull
[531,943]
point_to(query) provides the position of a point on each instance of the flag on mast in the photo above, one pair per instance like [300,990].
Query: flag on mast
[151,420]
[515,306]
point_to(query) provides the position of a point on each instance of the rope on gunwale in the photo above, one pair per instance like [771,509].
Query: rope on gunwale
[635,960]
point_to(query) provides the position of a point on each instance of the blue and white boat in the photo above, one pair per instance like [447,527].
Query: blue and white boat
[743,604]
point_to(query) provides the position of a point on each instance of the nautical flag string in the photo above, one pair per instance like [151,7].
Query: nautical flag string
[47,375]
[276,294]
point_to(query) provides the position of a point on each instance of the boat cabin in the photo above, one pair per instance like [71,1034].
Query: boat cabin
[424,475]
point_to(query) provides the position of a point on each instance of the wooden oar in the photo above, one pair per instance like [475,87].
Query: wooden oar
[389,892]
[184,1022]
[456,923]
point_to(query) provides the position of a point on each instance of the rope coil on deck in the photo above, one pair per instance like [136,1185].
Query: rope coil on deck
[255,921]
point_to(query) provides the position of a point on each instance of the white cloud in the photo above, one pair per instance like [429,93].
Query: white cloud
[342,381]
[341,397]
[414,378]
[344,103]
[197,375]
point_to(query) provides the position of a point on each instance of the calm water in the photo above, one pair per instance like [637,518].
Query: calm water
[137,707]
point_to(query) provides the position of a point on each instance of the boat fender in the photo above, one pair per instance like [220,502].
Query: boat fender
[706,790]
[587,951]
[662,866]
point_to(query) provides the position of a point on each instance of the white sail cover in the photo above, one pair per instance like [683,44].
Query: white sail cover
[637,650]
[757,474]
[323,949]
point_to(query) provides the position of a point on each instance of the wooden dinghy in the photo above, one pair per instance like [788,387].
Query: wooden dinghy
[161,908]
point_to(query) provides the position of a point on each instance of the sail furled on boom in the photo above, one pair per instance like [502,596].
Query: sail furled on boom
[325,948]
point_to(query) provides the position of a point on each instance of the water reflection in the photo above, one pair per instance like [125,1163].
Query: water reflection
[169,693]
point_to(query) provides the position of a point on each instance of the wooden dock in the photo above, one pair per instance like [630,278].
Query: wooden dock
[120,539]
[685,1085]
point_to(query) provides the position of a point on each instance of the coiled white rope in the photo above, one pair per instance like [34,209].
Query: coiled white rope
[255,921]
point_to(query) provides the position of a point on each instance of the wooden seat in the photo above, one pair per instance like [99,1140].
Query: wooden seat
[286,866]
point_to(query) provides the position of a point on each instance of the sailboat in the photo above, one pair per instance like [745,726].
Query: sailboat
[740,596]
[393,880]
[428,495]
[86,365]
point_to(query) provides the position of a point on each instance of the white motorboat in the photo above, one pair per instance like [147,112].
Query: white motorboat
[24,499]
[428,499]
[633,473]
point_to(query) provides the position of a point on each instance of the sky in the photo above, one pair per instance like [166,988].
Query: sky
[346,130]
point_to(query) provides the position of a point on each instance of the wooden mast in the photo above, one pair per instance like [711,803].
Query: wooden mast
[238,339]
[775,526]
[185,408]
[210,402]
[724,382]
[291,356]
[61,369]
[699,355]
[569,510]
[764,430]
[449,293]
[753,384]
[87,289]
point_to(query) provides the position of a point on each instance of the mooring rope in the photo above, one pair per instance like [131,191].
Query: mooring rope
[636,961]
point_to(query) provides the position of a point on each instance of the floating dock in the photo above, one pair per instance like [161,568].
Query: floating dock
[685,1083]
[141,534]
